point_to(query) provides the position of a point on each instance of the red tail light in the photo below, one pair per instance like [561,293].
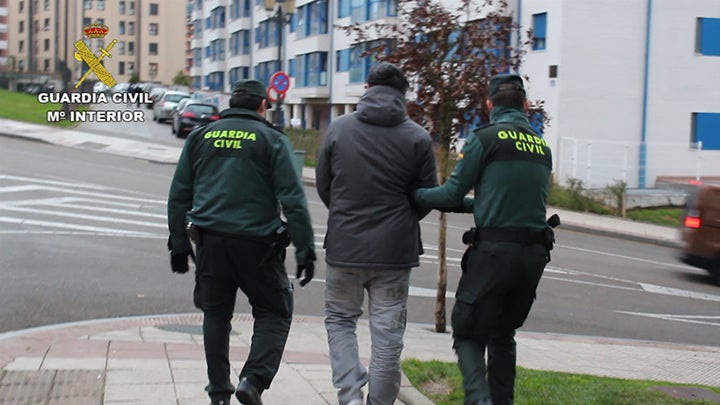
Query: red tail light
[188,114]
[215,117]
[692,222]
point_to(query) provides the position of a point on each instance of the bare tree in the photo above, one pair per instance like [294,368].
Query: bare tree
[449,56]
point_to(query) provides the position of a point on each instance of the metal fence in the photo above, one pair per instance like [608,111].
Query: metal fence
[599,163]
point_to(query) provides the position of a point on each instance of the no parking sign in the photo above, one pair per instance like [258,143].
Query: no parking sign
[279,83]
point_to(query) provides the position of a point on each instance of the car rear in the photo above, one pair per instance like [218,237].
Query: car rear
[196,115]
[701,230]
[164,108]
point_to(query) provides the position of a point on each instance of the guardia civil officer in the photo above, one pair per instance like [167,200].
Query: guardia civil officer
[508,165]
[233,179]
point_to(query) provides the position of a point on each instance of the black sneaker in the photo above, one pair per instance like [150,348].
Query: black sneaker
[247,394]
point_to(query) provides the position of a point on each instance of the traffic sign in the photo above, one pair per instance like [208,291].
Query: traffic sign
[280,82]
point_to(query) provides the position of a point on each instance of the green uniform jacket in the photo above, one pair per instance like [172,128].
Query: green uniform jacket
[508,165]
[233,177]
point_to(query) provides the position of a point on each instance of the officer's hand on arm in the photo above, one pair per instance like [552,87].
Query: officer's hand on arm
[309,269]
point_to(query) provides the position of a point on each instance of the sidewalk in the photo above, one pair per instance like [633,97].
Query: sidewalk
[159,359]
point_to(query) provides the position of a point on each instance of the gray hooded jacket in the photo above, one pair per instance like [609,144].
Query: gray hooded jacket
[367,166]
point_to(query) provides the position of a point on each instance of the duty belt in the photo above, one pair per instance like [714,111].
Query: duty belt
[524,236]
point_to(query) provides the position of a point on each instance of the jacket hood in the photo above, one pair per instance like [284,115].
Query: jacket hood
[383,106]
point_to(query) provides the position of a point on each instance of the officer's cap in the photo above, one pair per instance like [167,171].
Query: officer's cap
[505,82]
[249,87]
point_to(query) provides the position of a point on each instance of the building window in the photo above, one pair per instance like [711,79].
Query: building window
[87,4]
[46,45]
[343,60]
[365,10]
[21,45]
[539,31]
[46,5]
[312,19]
[46,65]
[21,27]
[153,48]
[153,29]
[217,18]
[153,9]
[267,34]
[121,68]
[101,5]
[360,65]
[343,8]
[311,69]
[707,40]
[705,129]
[131,28]
[264,70]
[131,48]
[46,24]
[122,8]
[21,6]
[121,30]
[121,47]
[131,8]
[153,68]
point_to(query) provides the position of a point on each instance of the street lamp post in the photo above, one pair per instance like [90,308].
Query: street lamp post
[281,18]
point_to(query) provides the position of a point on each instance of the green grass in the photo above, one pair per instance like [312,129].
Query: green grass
[660,216]
[308,140]
[442,383]
[25,107]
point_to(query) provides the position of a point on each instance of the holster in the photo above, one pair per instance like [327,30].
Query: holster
[281,240]
[194,233]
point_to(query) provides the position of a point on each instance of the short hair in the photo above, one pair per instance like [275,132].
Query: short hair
[509,98]
[387,74]
[246,101]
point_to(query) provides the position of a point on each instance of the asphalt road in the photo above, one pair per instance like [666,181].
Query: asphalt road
[83,237]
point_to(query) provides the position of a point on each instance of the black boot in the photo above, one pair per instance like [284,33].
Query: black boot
[224,401]
[247,393]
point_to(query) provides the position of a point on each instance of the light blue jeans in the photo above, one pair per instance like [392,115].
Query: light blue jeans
[387,308]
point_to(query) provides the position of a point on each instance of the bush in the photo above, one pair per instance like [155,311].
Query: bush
[308,140]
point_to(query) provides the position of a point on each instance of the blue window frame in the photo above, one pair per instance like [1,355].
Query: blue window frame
[343,60]
[311,69]
[705,129]
[539,31]
[367,10]
[291,67]
[343,8]
[264,70]
[708,36]
[266,33]
[235,10]
[311,19]
[215,81]
[240,42]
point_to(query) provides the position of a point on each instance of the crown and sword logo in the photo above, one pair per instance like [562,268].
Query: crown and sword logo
[84,54]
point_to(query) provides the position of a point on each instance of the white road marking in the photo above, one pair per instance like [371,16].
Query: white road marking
[696,319]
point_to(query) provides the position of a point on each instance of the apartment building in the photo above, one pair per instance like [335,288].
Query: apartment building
[3,34]
[142,37]
[632,87]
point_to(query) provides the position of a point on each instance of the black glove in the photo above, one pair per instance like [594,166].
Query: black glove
[309,268]
[179,262]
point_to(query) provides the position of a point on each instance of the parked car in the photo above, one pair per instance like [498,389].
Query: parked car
[701,230]
[164,105]
[155,93]
[120,88]
[100,87]
[191,116]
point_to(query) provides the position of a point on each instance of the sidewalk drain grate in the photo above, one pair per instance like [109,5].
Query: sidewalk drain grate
[71,387]
[179,328]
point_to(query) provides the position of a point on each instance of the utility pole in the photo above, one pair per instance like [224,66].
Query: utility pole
[282,18]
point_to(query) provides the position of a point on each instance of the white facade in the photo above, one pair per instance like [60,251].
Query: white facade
[600,103]
[619,81]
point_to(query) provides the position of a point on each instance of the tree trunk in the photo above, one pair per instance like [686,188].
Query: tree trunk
[440,311]
[443,169]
